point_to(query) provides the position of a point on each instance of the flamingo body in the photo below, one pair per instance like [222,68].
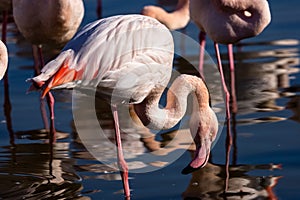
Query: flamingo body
[52,22]
[131,57]
[3,59]
[100,52]
[125,54]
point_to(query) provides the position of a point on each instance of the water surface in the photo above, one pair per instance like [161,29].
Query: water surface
[264,162]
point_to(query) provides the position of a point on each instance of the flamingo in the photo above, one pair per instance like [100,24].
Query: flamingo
[3,59]
[51,22]
[224,21]
[133,55]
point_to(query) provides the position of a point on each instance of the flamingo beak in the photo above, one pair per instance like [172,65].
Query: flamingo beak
[201,157]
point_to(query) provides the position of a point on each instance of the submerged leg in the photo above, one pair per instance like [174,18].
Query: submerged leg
[50,101]
[121,161]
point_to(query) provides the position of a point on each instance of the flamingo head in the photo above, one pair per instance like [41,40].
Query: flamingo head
[244,18]
[204,133]
[3,59]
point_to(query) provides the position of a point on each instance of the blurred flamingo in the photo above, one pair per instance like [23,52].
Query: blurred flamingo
[50,22]
[3,59]
[132,56]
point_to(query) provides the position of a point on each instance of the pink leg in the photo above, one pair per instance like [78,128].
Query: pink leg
[4,26]
[121,161]
[50,101]
[232,74]
[37,68]
[223,80]
[44,114]
[41,57]
[228,138]
[38,63]
[49,98]
[202,41]
[99,9]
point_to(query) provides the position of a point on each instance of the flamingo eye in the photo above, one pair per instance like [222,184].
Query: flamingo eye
[247,13]
[211,135]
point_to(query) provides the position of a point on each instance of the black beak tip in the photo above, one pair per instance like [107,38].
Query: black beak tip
[188,169]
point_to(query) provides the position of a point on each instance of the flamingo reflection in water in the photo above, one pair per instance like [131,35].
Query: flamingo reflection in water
[132,55]
[207,183]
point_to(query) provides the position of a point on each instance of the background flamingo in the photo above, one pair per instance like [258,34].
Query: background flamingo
[51,22]
[225,22]
[3,59]
[125,54]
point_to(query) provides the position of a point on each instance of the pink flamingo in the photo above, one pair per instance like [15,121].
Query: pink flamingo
[225,22]
[133,54]
[51,22]
[3,59]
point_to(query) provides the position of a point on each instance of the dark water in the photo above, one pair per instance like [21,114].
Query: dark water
[264,162]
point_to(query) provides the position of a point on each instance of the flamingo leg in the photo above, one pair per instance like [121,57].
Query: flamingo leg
[227,95]
[4,25]
[39,62]
[50,102]
[41,57]
[7,104]
[202,41]
[37,70]
[99,9]
[121,161]
[44,114]
[232,75]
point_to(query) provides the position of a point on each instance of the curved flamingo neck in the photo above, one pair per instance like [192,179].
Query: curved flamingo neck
[173,20]
[155,117]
